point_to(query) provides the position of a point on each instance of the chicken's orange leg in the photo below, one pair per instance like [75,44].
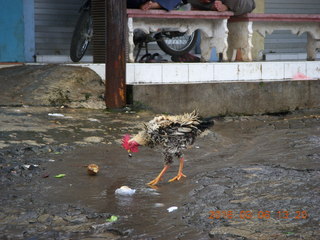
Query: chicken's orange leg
[158,178]
[180,174]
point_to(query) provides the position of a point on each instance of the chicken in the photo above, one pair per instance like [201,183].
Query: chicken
[171,134]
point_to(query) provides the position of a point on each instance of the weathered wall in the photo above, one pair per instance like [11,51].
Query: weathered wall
[230,98]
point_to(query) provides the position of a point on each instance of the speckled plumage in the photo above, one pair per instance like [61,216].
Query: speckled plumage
[171,134]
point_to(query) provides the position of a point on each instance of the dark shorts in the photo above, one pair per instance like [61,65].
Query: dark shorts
[239,7]
[166,4]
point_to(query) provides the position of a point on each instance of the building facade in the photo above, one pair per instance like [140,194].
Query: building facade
[41,30]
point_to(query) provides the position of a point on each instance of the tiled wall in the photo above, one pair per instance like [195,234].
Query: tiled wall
[144,73]
[166,73]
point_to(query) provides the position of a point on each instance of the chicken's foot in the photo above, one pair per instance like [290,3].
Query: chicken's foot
[180,174]
[159,177]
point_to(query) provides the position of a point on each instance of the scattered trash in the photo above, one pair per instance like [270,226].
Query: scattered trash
[92,169]
[58,115]
[197,147]
[29,167]
[171,209]
[113,218]
[93,120]
[158,204]
[55,115]
[51,160]
[60,175]
[125,191]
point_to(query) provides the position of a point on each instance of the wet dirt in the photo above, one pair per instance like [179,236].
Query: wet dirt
[51,85]
[249,177]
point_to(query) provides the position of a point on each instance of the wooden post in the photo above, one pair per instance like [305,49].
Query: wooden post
[116,35]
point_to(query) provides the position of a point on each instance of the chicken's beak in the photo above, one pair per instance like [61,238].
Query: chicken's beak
[129,153]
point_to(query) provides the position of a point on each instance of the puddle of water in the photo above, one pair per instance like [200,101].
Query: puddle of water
[145,213]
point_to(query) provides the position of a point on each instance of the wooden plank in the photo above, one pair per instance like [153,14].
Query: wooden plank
[137,13]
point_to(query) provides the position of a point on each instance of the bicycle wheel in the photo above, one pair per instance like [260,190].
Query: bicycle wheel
[176,43]
[81,36]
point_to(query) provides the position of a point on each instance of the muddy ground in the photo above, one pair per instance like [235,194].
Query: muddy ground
[254,177]
[249,177]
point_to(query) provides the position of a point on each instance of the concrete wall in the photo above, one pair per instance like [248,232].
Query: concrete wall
[230,98]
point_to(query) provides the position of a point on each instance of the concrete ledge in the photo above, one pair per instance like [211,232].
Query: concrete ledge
[181,73]
[230,98]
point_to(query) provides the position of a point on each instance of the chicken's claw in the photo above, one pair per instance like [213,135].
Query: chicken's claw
[178,177]
[154,181]
[159,177]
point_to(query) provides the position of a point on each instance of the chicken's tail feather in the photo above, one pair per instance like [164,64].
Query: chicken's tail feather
[206,123]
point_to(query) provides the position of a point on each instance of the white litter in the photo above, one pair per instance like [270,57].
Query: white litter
[29,166]
[55,115]
[125,191]
[93,120]
[173,208]
[158,204]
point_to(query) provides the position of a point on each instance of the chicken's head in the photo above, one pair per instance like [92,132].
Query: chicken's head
[129,144]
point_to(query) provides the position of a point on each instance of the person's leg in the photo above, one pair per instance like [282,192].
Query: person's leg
[150,5]
[220,6]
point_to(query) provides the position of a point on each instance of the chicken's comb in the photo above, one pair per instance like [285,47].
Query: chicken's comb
[125,141]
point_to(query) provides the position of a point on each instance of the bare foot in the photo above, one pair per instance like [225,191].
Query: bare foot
[150,5]
[220,7]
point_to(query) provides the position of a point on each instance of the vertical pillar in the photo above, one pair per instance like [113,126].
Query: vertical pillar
[116,35]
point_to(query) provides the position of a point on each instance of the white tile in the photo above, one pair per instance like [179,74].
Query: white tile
[250,71]
[226,71]
[313,69]
[175,73]
[148,73]
[272,71]
[130,73]
[201,72]
[292,68]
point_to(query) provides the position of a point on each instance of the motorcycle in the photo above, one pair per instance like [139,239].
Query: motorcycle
[174,43]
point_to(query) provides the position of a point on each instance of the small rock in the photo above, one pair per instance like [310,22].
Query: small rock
[43,218]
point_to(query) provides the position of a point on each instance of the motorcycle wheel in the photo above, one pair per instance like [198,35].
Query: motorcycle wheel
[81,36]
[176,43]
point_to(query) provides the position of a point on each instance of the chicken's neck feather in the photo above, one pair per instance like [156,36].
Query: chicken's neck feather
[141,138]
